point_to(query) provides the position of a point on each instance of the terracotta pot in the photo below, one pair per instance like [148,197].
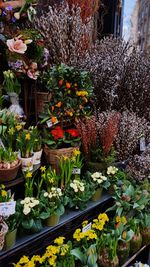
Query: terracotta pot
[27,164]
[104,261]
[145,236]
[135,243]
[10,239]
[52,220]
[9,174]
[14,4]
[97,195]
[123,250]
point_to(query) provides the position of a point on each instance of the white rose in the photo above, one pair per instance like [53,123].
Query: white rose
[45,194]
[26,210]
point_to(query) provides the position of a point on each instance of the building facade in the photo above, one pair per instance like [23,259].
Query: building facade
[140,25]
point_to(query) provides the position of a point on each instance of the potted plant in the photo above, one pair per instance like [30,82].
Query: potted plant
[50,178]
[84,249]
[98,181]
[145,228]
[108,251]
[9,164]
[59,142]
[136,241]
[29,210]
[71,90]
[12,222]
[25,145]
[37,145]
[78,193]
[52,203]
[13,89]
[124,235]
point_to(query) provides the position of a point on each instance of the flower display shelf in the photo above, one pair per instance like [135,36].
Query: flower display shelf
[142,255]
[34,244]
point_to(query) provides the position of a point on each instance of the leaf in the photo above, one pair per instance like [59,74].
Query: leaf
[44,215]
[136,205]
[79,255]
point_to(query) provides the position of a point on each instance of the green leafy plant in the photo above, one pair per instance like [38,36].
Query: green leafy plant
[4,195]
[52,202]
[8,158]
[37,144]
[11,84]
[13,222]
[71,91]
[25,143]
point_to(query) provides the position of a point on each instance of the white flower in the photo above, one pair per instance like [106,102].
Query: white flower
[82,188]
[27,200]
[31,205]
[111,170]
[50,195]
[45,194]
[99,181]
[104,178]
[76,189]
[22,202]
[26,210]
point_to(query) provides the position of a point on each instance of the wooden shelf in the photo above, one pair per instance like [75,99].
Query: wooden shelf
[14,182]
[35,244]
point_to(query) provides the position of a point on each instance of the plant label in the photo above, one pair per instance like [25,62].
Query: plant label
[142,144]
[76,171]
[7,208]
[87,227]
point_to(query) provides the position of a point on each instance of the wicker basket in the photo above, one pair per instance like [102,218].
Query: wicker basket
[41,99]
[3,232]
[9,174]
[53,155]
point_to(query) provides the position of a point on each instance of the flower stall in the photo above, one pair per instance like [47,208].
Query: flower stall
[74,147]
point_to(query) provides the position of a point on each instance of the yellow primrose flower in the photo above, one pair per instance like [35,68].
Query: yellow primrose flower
[123,220]
[124,234]
[91,234]
[29,175]
[28,136]
[59,241]
[24,259]
[85,223]
[36,258]
[30,264]
[4,193]
[43,169]
[103,216]
[52,261]
[11,131]
[76,152]
[64,250]
[18,127]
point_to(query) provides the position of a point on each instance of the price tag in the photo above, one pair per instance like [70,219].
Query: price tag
[87,227]
[76,171]
[142,144]
[49,123]
[7,208]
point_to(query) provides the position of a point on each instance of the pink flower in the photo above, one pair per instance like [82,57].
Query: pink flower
[33,74]
[17,46]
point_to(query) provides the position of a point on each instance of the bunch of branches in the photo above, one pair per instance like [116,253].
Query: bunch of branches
[88,133]
[66,36]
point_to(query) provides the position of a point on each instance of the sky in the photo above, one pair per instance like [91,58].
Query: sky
[128,9]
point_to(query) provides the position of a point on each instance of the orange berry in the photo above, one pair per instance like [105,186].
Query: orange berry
[60,82]
[53,119]
[59,104]
[68,85]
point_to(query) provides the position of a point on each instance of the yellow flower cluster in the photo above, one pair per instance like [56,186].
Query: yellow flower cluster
[82,93]
[120,220]
[87,235]
[99,223]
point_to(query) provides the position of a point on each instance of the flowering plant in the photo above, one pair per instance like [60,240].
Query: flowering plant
[60,138]
[29,210]
[8,159]
[4,195]
[71,91]
[50,178]
[11,83]
[115,176]
[58,254]
[97,180]
[25,143]
[36,136]
[52,202]
[78,193]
